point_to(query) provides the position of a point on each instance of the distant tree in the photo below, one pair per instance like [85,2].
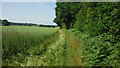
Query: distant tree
[6,23]
[53,26]
[0,22]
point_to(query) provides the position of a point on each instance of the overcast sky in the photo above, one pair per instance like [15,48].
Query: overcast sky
[29,12]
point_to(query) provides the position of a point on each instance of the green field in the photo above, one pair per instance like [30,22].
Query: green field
[37,46]
[17,42]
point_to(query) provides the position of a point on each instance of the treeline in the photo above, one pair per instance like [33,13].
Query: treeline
[53,26]
[98,24]
[7,23]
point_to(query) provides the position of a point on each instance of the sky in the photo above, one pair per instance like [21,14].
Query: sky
[29,12]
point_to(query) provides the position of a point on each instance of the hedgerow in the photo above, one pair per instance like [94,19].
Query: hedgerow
[98,24]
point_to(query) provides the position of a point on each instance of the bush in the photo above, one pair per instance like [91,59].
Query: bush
[102,50]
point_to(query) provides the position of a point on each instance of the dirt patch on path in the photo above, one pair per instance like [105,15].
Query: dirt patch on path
[74,47]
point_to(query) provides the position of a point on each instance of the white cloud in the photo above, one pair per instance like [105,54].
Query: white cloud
[40,3]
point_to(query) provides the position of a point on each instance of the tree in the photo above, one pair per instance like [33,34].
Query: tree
[65,14]
[5,23]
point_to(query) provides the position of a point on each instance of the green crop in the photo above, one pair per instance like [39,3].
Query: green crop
[16,40]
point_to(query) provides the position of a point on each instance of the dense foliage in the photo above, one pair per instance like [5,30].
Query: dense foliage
[98,24]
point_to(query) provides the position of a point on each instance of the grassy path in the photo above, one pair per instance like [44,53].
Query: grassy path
[62,49]
[73,50]
[52,56]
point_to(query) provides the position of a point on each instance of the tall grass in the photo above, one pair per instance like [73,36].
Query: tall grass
[17,39]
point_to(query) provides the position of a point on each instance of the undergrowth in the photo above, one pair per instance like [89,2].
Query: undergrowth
[101,50]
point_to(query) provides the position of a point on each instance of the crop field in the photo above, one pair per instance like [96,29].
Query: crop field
[17,41]
[37,46]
